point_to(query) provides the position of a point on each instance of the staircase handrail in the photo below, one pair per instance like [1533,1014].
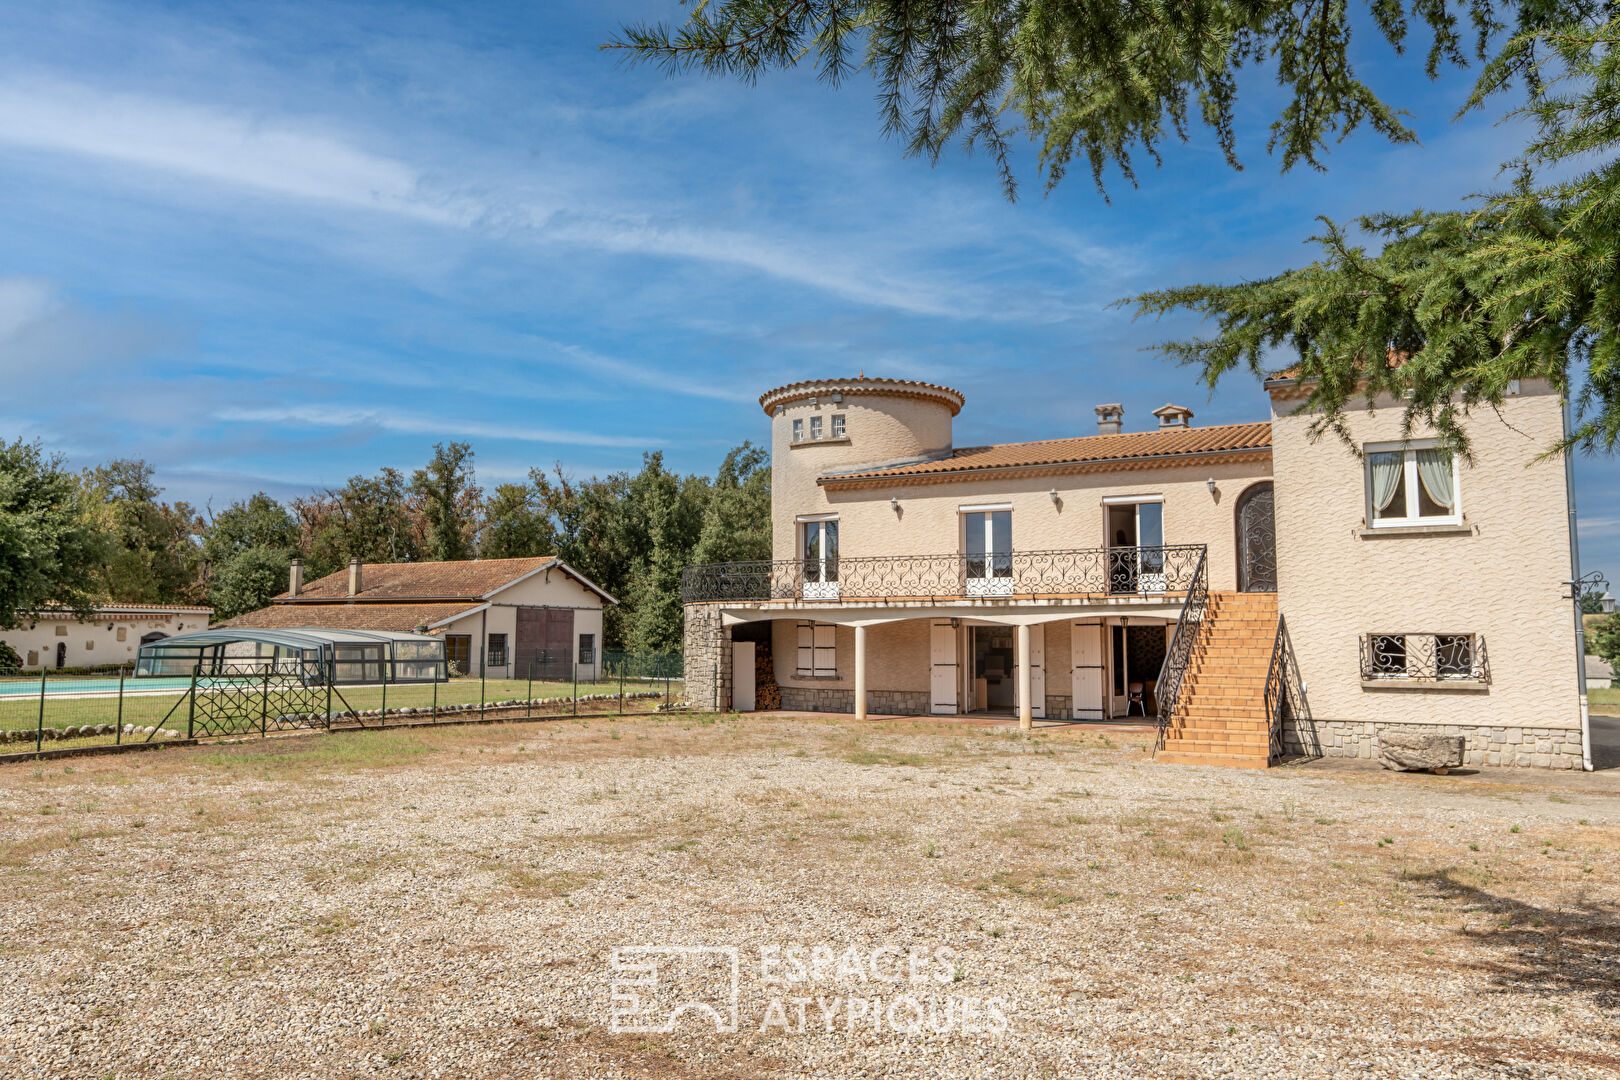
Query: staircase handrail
[1285,694]
[1177,658]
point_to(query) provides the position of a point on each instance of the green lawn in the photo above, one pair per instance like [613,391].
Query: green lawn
[170,710]
[1604,701]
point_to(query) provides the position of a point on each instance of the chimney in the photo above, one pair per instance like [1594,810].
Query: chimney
[295,582]
[1110,419]
[1173,416]
[354,577]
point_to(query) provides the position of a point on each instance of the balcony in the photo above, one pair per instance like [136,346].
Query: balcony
[1090,573]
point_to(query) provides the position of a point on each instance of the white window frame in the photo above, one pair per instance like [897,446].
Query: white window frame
[1147,576]
[1412,482]
[838,425]
[991,583]
[822,589]
[815,428]
[798,429]
[817,650]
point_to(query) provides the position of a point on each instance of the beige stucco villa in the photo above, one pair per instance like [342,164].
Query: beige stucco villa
[1262,592]
[57,639]
[499,617]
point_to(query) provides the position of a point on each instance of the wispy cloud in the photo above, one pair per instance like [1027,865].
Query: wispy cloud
[277,156]
[312,159]
[407,423]
[44,334]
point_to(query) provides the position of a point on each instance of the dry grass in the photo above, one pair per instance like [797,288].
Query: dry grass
[399,902]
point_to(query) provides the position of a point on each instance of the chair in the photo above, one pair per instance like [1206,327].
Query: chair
[1136,697]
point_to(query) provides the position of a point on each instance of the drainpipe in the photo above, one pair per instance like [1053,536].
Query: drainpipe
[1575,587]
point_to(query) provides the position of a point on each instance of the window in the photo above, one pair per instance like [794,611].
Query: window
[1388,656]
[1412,486]
[1135,530]
[497,650]
[818,650]
[1453,656]
[815,427]
[987,550]
[820,548]
[587,648]
[458,652]
[838,425]
[798,431]
[1426,657]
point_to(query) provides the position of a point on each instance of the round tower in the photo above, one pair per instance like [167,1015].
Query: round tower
[838,425]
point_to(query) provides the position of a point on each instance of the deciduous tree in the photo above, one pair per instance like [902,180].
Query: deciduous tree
[51,544]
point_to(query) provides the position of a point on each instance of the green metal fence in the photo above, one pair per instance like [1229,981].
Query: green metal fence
[56,710]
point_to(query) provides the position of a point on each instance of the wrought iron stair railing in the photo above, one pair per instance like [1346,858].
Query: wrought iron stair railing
[1114,571]
[1178,656]
[1285,694]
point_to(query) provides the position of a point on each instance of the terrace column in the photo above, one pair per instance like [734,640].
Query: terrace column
[1026,714]
[860,673]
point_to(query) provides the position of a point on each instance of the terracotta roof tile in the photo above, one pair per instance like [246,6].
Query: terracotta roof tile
[1082,451]
[426,580]
[862,384]
[108,609]
[360,616]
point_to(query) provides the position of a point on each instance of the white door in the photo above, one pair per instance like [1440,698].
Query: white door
[942,673]
[1086,641]
[1037,672]
[742,676]
[820,560]
[987,547]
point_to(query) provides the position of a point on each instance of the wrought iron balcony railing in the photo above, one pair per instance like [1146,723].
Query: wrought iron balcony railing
[1424,656]
[1117,571]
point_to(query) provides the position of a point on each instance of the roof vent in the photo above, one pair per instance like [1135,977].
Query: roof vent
[295,577]
[1173,416]
[354,577]
[1110,419]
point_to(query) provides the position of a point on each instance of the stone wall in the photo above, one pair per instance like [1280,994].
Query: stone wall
[1059,707]
[707,658]
[899,702]
[1526,747]
[818,699]
[839,700]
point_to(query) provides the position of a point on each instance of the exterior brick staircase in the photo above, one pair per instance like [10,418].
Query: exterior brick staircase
[1220,715]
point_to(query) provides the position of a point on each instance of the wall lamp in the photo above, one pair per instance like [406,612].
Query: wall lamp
[1053,495]
[894,503]
[1210,483]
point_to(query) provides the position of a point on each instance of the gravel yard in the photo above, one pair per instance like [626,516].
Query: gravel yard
[426,903]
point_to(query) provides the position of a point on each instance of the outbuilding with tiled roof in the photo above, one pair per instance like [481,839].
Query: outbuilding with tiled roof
[498,615]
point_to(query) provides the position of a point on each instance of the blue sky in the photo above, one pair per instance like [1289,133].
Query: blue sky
[270,246]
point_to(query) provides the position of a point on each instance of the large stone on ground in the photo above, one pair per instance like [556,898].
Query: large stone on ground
[1416,752]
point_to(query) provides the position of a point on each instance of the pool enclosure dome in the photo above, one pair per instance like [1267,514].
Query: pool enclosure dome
[317,655]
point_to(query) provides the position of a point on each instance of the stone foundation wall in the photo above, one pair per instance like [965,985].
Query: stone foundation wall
[818,699]
[707,655]
[899,702]
[1525,747]
[834,699]
[1059,707]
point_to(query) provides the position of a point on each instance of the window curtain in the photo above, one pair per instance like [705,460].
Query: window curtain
[1434,469]
[1386,477]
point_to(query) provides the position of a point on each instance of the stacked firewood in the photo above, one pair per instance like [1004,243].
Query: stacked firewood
[767,695]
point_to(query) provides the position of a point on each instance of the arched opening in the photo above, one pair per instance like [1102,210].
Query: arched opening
[1256,526]
[147,639]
